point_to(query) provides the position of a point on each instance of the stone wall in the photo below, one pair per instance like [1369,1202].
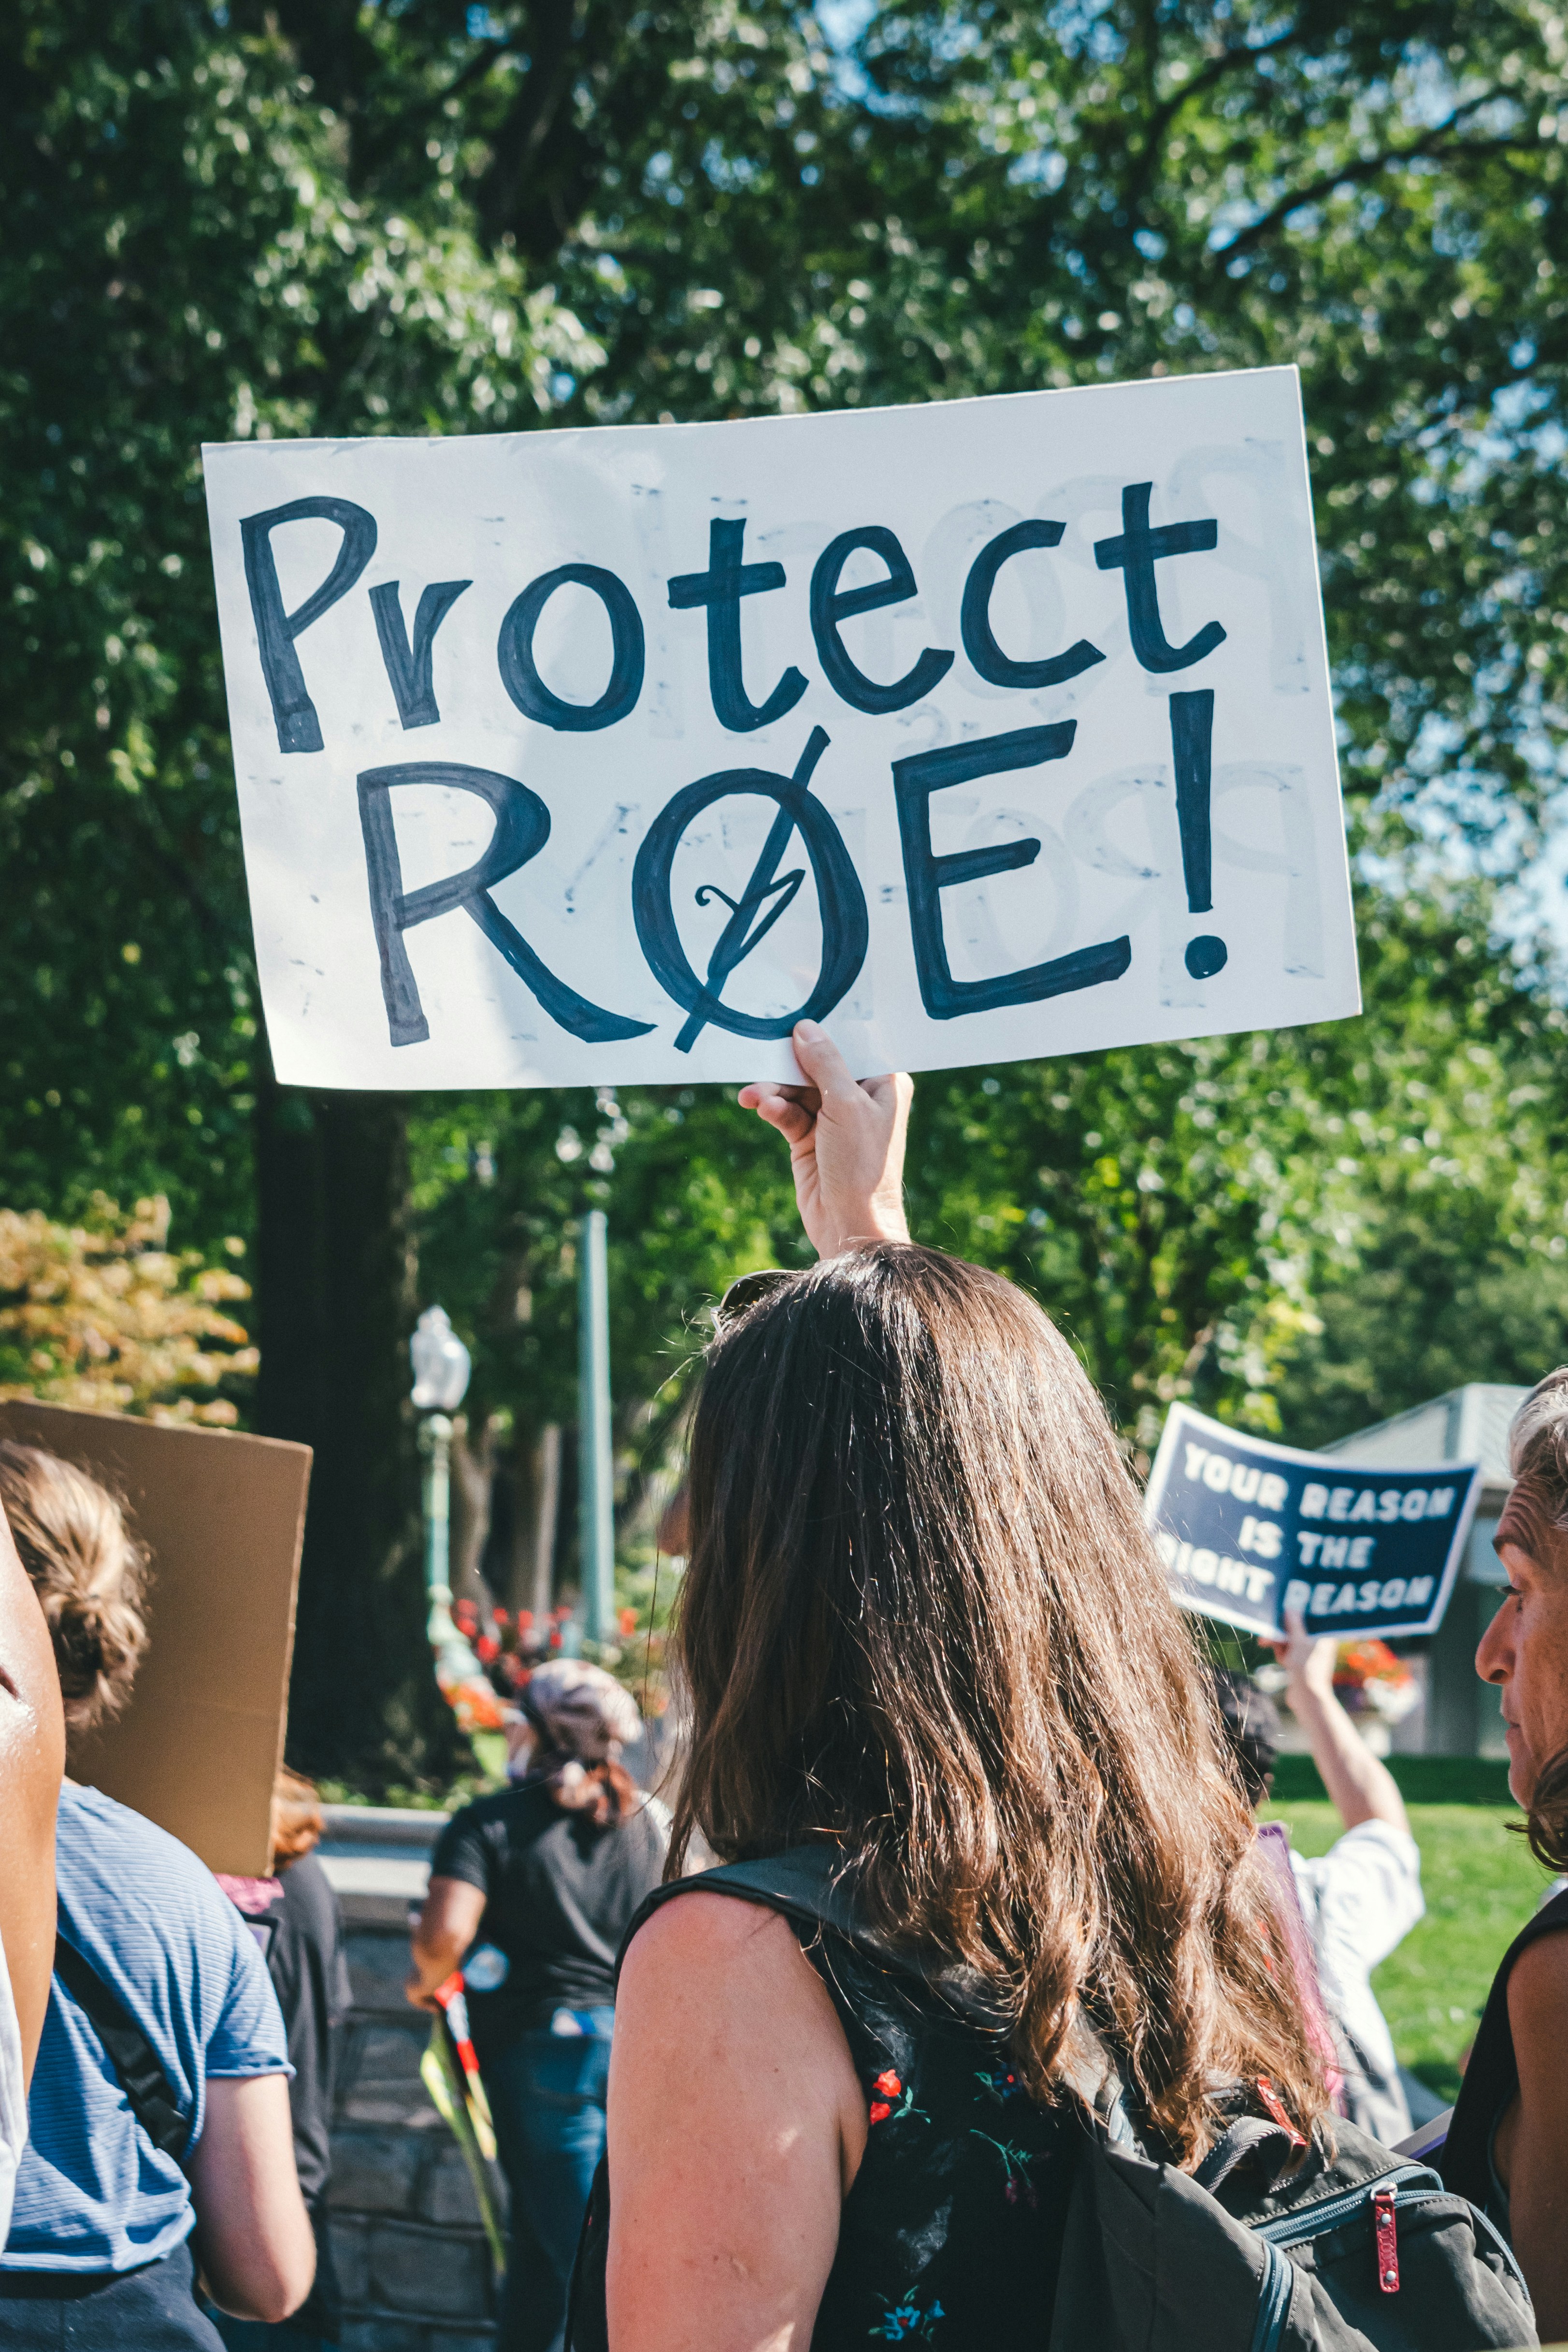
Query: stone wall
[412,2258]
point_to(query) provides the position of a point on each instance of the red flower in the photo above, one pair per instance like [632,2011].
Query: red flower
[487,1648]
[888,2084]
[880,2111]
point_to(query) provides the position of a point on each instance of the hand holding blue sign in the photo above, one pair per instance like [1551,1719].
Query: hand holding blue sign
[1251,1530]
[1308,1658]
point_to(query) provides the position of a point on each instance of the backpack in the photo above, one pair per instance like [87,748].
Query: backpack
[1263,2249]
[1363,2251]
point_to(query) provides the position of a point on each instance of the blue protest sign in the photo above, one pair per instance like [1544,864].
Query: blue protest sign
[1247,1530]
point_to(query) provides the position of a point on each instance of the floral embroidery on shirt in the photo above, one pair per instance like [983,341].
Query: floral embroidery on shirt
[1016,2162]
[889,2087]
[1001,2083]
[904,2321]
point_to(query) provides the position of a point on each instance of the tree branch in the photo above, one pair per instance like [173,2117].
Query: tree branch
[1368,167]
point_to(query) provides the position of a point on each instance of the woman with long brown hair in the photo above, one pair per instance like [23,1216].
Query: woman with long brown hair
[929,1652]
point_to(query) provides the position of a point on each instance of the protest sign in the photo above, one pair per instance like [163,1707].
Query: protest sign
[1247,1530]
[221,1516]
[976,731]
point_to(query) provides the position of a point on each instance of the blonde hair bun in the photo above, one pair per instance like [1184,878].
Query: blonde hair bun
[88,1573]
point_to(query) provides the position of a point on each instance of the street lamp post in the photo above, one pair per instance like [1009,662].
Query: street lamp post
[441,1367]
[597,1471]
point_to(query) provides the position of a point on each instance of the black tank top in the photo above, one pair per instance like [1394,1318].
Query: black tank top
[1491,2078]
[951,2234]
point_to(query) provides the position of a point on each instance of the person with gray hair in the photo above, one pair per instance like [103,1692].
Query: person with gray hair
[530,1892]
[1507,2147]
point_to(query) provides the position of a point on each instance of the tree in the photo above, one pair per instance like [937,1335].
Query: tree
[1004,198]
[332,217]
[104,1317]
[186,258]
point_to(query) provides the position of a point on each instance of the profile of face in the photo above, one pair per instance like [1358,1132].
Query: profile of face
[1525,1650]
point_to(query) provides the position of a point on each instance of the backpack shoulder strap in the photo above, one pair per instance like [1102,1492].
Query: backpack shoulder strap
[132,2057]
[809,1886]
[805,1883]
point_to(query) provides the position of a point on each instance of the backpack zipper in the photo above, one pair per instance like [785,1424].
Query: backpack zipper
[1298,2229]
[1312,2220]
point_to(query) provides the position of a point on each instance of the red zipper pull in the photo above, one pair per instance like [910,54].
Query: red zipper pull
[1276,2108]
[1387,2236]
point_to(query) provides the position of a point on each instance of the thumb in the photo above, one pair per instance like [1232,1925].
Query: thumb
[823,1064]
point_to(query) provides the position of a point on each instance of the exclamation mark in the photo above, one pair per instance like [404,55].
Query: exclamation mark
[1192,741]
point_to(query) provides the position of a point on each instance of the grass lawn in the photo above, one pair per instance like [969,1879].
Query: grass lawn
[1480,1885]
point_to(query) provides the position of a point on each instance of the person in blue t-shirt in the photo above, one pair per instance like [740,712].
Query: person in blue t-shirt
[105,2218]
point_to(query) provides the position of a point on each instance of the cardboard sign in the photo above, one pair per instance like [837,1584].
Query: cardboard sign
[1248,1529]
[222,1518]
[978,731]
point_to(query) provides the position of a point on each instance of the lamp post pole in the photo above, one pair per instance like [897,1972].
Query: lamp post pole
[435,1446]
[441,1368]
[596,1468]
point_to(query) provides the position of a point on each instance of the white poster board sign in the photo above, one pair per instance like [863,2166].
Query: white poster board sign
[980,731]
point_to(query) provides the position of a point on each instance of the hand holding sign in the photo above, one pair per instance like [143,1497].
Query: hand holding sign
[1307,1658]
[846,1142]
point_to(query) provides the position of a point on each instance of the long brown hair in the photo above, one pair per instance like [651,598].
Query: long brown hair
[922,1615]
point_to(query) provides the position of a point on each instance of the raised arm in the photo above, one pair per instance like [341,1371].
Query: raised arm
[1360,1784]
[846,1139]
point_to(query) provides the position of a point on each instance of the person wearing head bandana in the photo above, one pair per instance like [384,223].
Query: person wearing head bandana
[530,1892]
[1507,2149]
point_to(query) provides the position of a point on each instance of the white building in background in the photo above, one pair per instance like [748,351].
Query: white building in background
[1460,1714]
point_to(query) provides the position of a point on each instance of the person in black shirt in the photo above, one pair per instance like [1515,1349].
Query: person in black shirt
[1507,2147]
[295,1918]
[536,1886]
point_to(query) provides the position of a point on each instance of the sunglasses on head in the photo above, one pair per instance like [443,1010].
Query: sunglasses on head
[745,1292]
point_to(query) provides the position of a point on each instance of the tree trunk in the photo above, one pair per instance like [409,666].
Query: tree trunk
[336,1300]
[472,1472]
[536,1488]
[546,1515]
